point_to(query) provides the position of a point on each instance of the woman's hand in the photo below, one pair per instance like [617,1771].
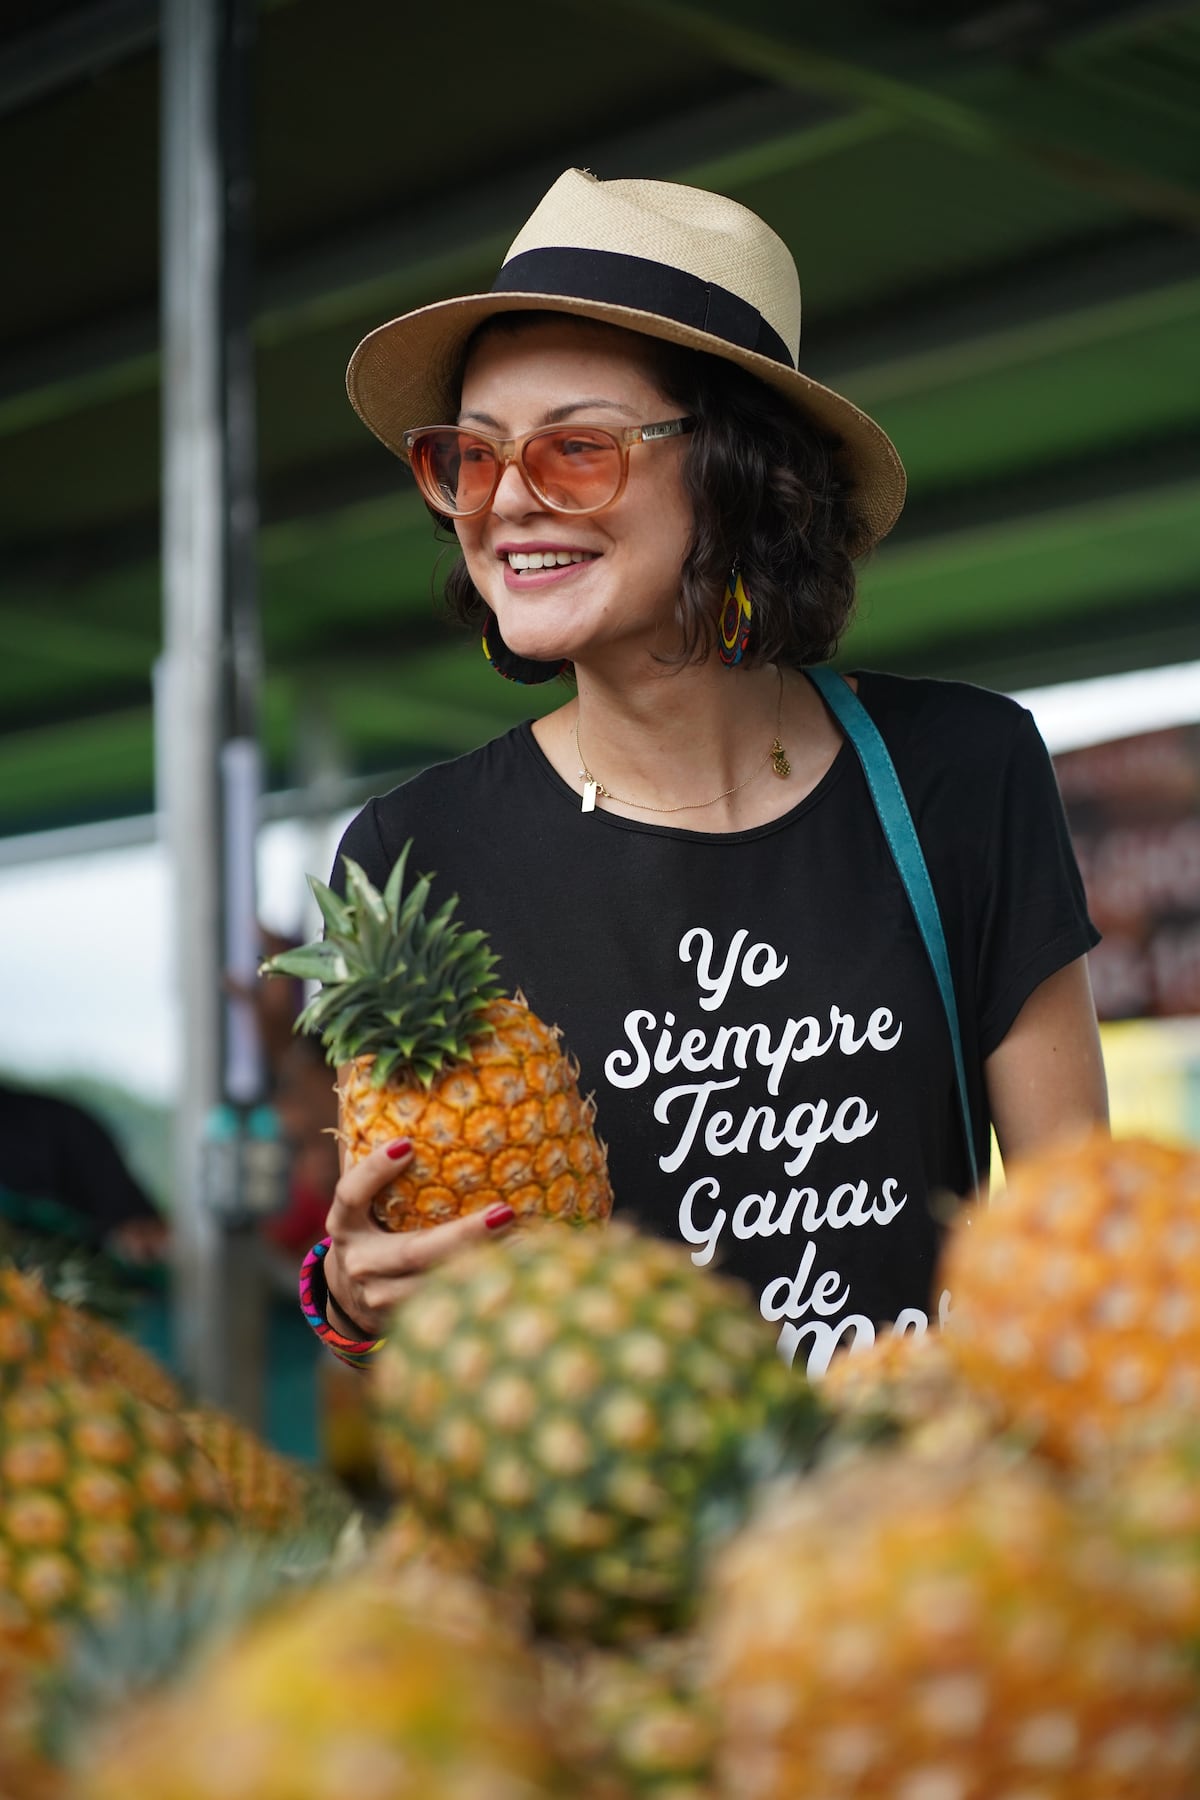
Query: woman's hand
[369,1271]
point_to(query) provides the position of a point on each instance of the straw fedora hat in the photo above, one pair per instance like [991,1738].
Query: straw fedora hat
[667,261]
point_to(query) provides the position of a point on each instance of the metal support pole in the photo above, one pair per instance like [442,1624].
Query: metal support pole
[206,722]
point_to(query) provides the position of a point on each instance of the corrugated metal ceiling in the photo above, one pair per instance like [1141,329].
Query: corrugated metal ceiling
[995,212]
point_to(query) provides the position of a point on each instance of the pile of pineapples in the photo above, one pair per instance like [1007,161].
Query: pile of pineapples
[111,1489]
[627,1554]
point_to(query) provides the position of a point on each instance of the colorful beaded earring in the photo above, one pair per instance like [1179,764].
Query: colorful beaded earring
[525,669]
[735,620]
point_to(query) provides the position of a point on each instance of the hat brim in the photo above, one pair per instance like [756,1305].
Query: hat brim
[407,372]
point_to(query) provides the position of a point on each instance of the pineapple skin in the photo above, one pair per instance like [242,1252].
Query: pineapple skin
[39,1335]
[561,1405]
[636,1719]
[42,1337]
[25,1774]
[506,1127]
[114,1356]
[96,1488]
[1151,1489]
[265,1491]
[1076,1294]
[400,1687]
[907,1386]
[897,1630]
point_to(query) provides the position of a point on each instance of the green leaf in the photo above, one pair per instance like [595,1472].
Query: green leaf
[311,962]
[363,896]
[336,914]
[395,882]
[384,1065]
[399,983]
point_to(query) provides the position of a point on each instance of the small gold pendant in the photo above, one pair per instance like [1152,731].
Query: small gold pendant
[779,761]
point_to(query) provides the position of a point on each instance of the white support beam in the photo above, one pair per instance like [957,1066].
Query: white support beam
[206,673]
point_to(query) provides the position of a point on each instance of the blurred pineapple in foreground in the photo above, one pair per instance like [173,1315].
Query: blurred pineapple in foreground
[39,1335]
[115,1356]
[404,1688]
[1151,1491]
[564,1406]
[937,1613]
[43,1336]
[25,1772]
[406,1539]
[86,1296]
[96,1486]
[897,1628]
[431,1050]
[906,1386]
[1076,1293]
[638,1719]
[266,1492]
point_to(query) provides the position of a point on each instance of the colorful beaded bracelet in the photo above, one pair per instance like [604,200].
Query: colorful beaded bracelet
[314,1299]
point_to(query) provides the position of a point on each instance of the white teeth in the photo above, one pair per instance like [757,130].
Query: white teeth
[546,559]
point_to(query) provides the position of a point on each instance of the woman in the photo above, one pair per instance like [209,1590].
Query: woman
[682,865]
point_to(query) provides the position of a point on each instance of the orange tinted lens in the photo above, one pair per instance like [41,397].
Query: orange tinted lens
[575,468]
[456,470]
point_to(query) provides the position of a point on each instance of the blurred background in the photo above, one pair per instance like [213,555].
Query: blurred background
[218,633]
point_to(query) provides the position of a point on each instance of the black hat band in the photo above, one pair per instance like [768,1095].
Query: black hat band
[612,279]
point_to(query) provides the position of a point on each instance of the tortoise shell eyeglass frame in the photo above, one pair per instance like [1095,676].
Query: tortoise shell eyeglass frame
[571,468]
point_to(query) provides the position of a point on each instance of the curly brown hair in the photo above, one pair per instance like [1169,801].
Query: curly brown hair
[765,488]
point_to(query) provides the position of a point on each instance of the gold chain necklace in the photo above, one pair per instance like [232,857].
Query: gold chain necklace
[594,790]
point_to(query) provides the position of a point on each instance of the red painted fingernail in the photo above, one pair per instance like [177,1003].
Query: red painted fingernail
[498,1216]
[400,1148]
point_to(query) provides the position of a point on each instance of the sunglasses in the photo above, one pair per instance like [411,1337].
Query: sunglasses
[568,468]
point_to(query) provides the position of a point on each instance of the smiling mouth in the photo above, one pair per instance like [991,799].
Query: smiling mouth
[547,559]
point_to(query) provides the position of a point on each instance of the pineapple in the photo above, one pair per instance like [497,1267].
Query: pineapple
[161,1627]
[1151,1489]
[637,1719]
[562,1405]
[895,1628]
[25,1774]
[95,1487]
[111,1354]
[905,1385]
[265,1492]
[406,1538]
[38,1334]
[431,1050]
[407,1687]
[42,1336]
[1077,1293]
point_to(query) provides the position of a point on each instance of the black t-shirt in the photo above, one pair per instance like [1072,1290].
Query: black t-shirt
[754,1011]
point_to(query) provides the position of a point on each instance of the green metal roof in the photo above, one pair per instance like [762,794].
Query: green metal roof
[996,216]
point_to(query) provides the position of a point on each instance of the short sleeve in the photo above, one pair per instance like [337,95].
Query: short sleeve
[362,842]
[1035,918]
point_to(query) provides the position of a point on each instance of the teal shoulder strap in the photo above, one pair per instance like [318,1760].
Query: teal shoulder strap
[905,846]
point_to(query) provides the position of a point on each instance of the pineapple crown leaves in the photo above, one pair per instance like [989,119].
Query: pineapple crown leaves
[399,982]
[164,1625]
[71,1271]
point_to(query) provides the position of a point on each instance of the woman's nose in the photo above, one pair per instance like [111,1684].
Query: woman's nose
[513,497]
